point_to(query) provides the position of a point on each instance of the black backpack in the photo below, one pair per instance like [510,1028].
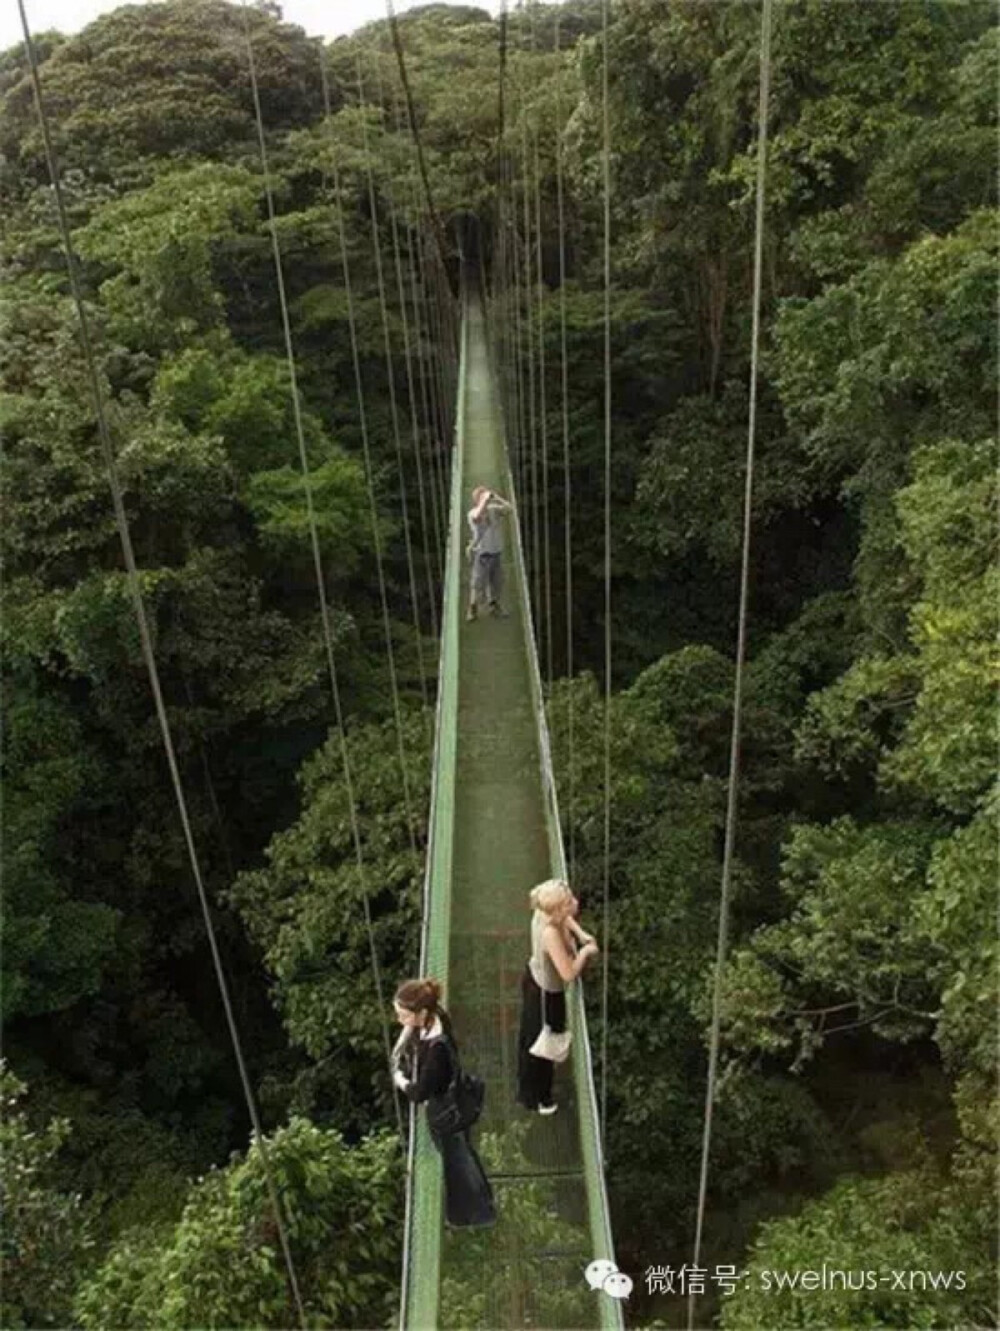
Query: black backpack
[461,1104]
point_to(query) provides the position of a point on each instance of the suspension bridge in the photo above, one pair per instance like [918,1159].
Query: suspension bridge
[495,827]
[495,831]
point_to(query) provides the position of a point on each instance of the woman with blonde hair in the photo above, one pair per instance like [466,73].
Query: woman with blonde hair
[426,1069]
[559,951]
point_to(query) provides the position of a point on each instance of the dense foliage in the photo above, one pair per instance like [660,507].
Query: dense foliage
[857,1118]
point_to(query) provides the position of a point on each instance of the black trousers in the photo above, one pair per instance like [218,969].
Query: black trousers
[468,1193]
[534,1075]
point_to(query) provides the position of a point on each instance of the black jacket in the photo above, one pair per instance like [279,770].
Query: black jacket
[430,1065]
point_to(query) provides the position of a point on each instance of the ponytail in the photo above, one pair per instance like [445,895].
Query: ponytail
[420,995]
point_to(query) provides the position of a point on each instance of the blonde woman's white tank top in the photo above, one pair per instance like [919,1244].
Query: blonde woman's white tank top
[543,970]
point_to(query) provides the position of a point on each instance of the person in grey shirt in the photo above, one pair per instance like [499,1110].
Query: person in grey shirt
[486,548]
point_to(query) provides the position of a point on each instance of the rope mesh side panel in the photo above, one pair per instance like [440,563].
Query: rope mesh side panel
[422,1255]
[590,1135]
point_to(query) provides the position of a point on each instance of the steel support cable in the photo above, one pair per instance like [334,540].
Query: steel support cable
[567,482]
[734,748]
[513,309]
[444,416]
[135,594]
[606,168]
[443,433]
[512,403]
[451,334]
[497,245]
[426,372]
[511,417]
[435,268]
[412,345]
[449,338]
[515,413]
[314,532]
[544,543]
[443,361]
[433,337]
[519,400]
[519,357]
[503,175]
[494,318]
[501,315]
[415,133]
[530,353]
[543,423]
[515,168]
[373,508]
[412,396]
[428,401]
[390,377]
[499,249]
[507,314]
[442,374]
[528,328]
[506,328]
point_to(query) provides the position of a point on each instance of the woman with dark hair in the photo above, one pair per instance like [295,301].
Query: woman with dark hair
[425,1062]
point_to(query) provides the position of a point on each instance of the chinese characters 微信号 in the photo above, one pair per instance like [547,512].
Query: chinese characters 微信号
[691,1279]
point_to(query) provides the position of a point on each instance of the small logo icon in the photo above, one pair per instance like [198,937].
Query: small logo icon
[618,1285]
[604,1274]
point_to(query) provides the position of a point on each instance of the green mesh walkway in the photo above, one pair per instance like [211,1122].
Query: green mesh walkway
[494,834]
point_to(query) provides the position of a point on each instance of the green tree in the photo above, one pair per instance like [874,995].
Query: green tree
[306,911]
[47,1238]
[221,1263]
[115,94]
[865,1229]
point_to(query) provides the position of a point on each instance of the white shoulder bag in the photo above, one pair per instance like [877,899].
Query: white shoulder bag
[550,1044]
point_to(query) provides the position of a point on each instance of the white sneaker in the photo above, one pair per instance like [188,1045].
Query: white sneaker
[547,1109]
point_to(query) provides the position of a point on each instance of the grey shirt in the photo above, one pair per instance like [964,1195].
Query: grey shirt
[487,532]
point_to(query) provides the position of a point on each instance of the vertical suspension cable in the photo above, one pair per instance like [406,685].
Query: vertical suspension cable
[411,391]
[453,335]
[543,424]
[430,393]
[313,530]
[390,377]
[434,331]
[519,360]
[507,314]
[734,748]
[446,375]
[441,373]
[567,482]
[606,165]
[437,429]
[373,510]
[449,337]
[397,43]
[427,398]
[139,609]
[532,510]
[511,404]
[440,433]
[521,344]
[499,241]
[518,405]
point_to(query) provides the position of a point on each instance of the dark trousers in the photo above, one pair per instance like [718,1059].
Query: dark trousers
[468,1193]
[534,1075]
